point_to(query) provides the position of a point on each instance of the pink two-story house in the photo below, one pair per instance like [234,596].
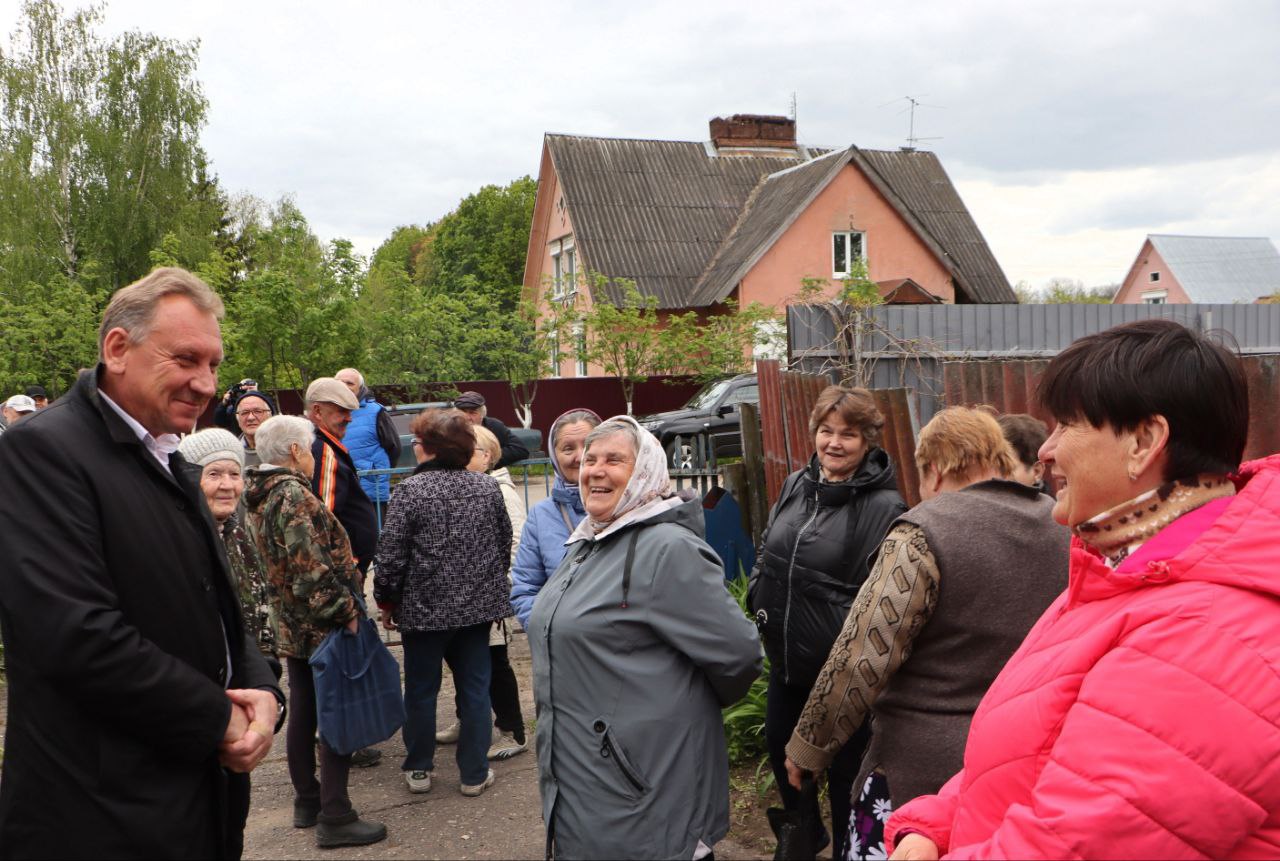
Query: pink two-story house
[750,215]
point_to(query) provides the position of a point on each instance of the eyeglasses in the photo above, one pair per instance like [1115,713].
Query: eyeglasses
[255,413]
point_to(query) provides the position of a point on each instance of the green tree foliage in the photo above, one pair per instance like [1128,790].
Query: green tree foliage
[295,317]
[99,150]
[1065,291]
[480,247]
[716,345]
[622,334]
[100,172]
[47,333]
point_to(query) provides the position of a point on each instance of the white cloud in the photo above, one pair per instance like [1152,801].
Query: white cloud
[1071,129]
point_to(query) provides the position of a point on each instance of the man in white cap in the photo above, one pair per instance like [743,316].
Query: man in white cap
[329,404]
[17,407]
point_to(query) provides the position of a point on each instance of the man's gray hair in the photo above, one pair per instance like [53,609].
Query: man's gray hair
[276,435]
[359,376]
[133,308]
[610,428]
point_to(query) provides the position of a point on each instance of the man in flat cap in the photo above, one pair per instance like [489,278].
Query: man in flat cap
[472,404]
[329,404]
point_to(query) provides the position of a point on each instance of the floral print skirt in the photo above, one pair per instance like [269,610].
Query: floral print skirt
[871,811]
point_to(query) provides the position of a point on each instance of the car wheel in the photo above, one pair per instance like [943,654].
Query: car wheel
[679,454]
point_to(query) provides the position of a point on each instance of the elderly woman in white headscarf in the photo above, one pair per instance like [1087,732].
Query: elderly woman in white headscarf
[637,646]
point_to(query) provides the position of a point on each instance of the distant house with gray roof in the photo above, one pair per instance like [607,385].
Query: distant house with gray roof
[749,216]
[1202,270]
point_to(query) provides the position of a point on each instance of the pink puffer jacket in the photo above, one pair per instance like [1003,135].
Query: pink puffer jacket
[1141,716]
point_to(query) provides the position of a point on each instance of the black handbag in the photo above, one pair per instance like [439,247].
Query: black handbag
[800,832]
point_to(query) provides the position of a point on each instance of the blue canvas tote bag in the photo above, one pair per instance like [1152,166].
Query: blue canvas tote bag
[359,701]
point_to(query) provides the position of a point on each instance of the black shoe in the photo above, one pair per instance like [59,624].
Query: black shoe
[305,813]
[366,757]
[348,830]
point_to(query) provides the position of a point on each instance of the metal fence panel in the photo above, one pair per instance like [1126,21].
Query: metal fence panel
[927,337]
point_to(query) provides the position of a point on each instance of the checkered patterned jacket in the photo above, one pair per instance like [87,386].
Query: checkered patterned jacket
[444,551]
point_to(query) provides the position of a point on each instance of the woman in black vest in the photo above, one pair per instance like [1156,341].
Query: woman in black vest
[816,552]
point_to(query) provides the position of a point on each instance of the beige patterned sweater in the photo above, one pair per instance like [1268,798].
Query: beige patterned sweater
[891,608]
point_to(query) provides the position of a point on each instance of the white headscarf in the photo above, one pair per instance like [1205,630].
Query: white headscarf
[648,491]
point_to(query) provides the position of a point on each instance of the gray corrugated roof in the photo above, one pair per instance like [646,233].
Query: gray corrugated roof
[772,207]
[686,226]
[927,195]
[653,211]
[1221,269]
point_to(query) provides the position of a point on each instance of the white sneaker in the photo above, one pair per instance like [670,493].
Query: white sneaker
[472,791]
[419,781]
[506,746]
[449,735]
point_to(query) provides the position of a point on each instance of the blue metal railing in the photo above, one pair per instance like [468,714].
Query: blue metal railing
[700,479]
[520,473]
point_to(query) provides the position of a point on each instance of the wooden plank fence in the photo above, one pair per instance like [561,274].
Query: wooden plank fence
[787,398]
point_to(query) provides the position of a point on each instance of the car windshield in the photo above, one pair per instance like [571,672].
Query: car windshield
[707,397]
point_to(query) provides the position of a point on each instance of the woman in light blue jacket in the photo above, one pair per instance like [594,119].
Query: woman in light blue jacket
[551,520]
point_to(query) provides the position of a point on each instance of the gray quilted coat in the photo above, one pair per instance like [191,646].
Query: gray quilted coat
[631,748]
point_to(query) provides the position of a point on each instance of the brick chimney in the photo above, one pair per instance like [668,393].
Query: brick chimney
[753,130]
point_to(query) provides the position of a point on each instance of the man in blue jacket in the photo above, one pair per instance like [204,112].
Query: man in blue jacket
[371,437]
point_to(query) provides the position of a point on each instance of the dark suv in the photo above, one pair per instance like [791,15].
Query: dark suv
[708,423]
[402,417]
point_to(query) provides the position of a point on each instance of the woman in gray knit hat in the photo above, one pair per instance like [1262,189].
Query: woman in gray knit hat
[219,458]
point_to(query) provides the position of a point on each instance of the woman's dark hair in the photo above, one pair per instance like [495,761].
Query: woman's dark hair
[855,406]
[1026,434]
[447,434]
[1131,372]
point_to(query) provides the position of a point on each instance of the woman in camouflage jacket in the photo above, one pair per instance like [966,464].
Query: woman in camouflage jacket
[314,581]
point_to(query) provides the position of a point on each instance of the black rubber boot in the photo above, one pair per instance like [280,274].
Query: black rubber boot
[305,813]
[347,830]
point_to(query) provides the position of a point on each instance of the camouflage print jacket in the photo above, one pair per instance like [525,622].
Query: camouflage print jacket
[307,557]
[250,580]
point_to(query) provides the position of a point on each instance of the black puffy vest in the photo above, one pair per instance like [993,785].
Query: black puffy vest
[818,550]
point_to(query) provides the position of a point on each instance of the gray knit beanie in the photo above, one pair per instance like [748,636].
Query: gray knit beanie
[211,444]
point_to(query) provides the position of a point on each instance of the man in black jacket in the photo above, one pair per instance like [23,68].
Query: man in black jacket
[473,405]
[136,700]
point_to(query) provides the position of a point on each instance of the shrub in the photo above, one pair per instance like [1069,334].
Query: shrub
[744,720]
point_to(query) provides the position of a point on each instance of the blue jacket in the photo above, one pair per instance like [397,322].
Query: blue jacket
[542,544]
[361,439]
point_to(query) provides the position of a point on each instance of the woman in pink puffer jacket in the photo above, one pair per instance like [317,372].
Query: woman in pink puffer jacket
[1141,716]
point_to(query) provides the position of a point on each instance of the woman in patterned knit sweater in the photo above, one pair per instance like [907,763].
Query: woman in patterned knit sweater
[958,582]
[442,581]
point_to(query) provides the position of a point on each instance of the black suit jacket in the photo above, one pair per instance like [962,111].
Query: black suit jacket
[118,616]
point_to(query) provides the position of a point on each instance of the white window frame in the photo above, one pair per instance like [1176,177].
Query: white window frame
[862,249]
[1153,277]
[554,343]
[579,348]
[564,269]
[1155,297]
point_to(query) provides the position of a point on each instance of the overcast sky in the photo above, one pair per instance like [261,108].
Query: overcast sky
[1072,130]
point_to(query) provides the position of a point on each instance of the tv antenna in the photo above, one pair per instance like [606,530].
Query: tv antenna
[793,106]
[913,103]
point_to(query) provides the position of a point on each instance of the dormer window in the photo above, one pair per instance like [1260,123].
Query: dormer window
[846,247]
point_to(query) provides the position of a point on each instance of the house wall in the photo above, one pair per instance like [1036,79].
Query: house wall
[1139,280]
[551,223]
[849,202]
